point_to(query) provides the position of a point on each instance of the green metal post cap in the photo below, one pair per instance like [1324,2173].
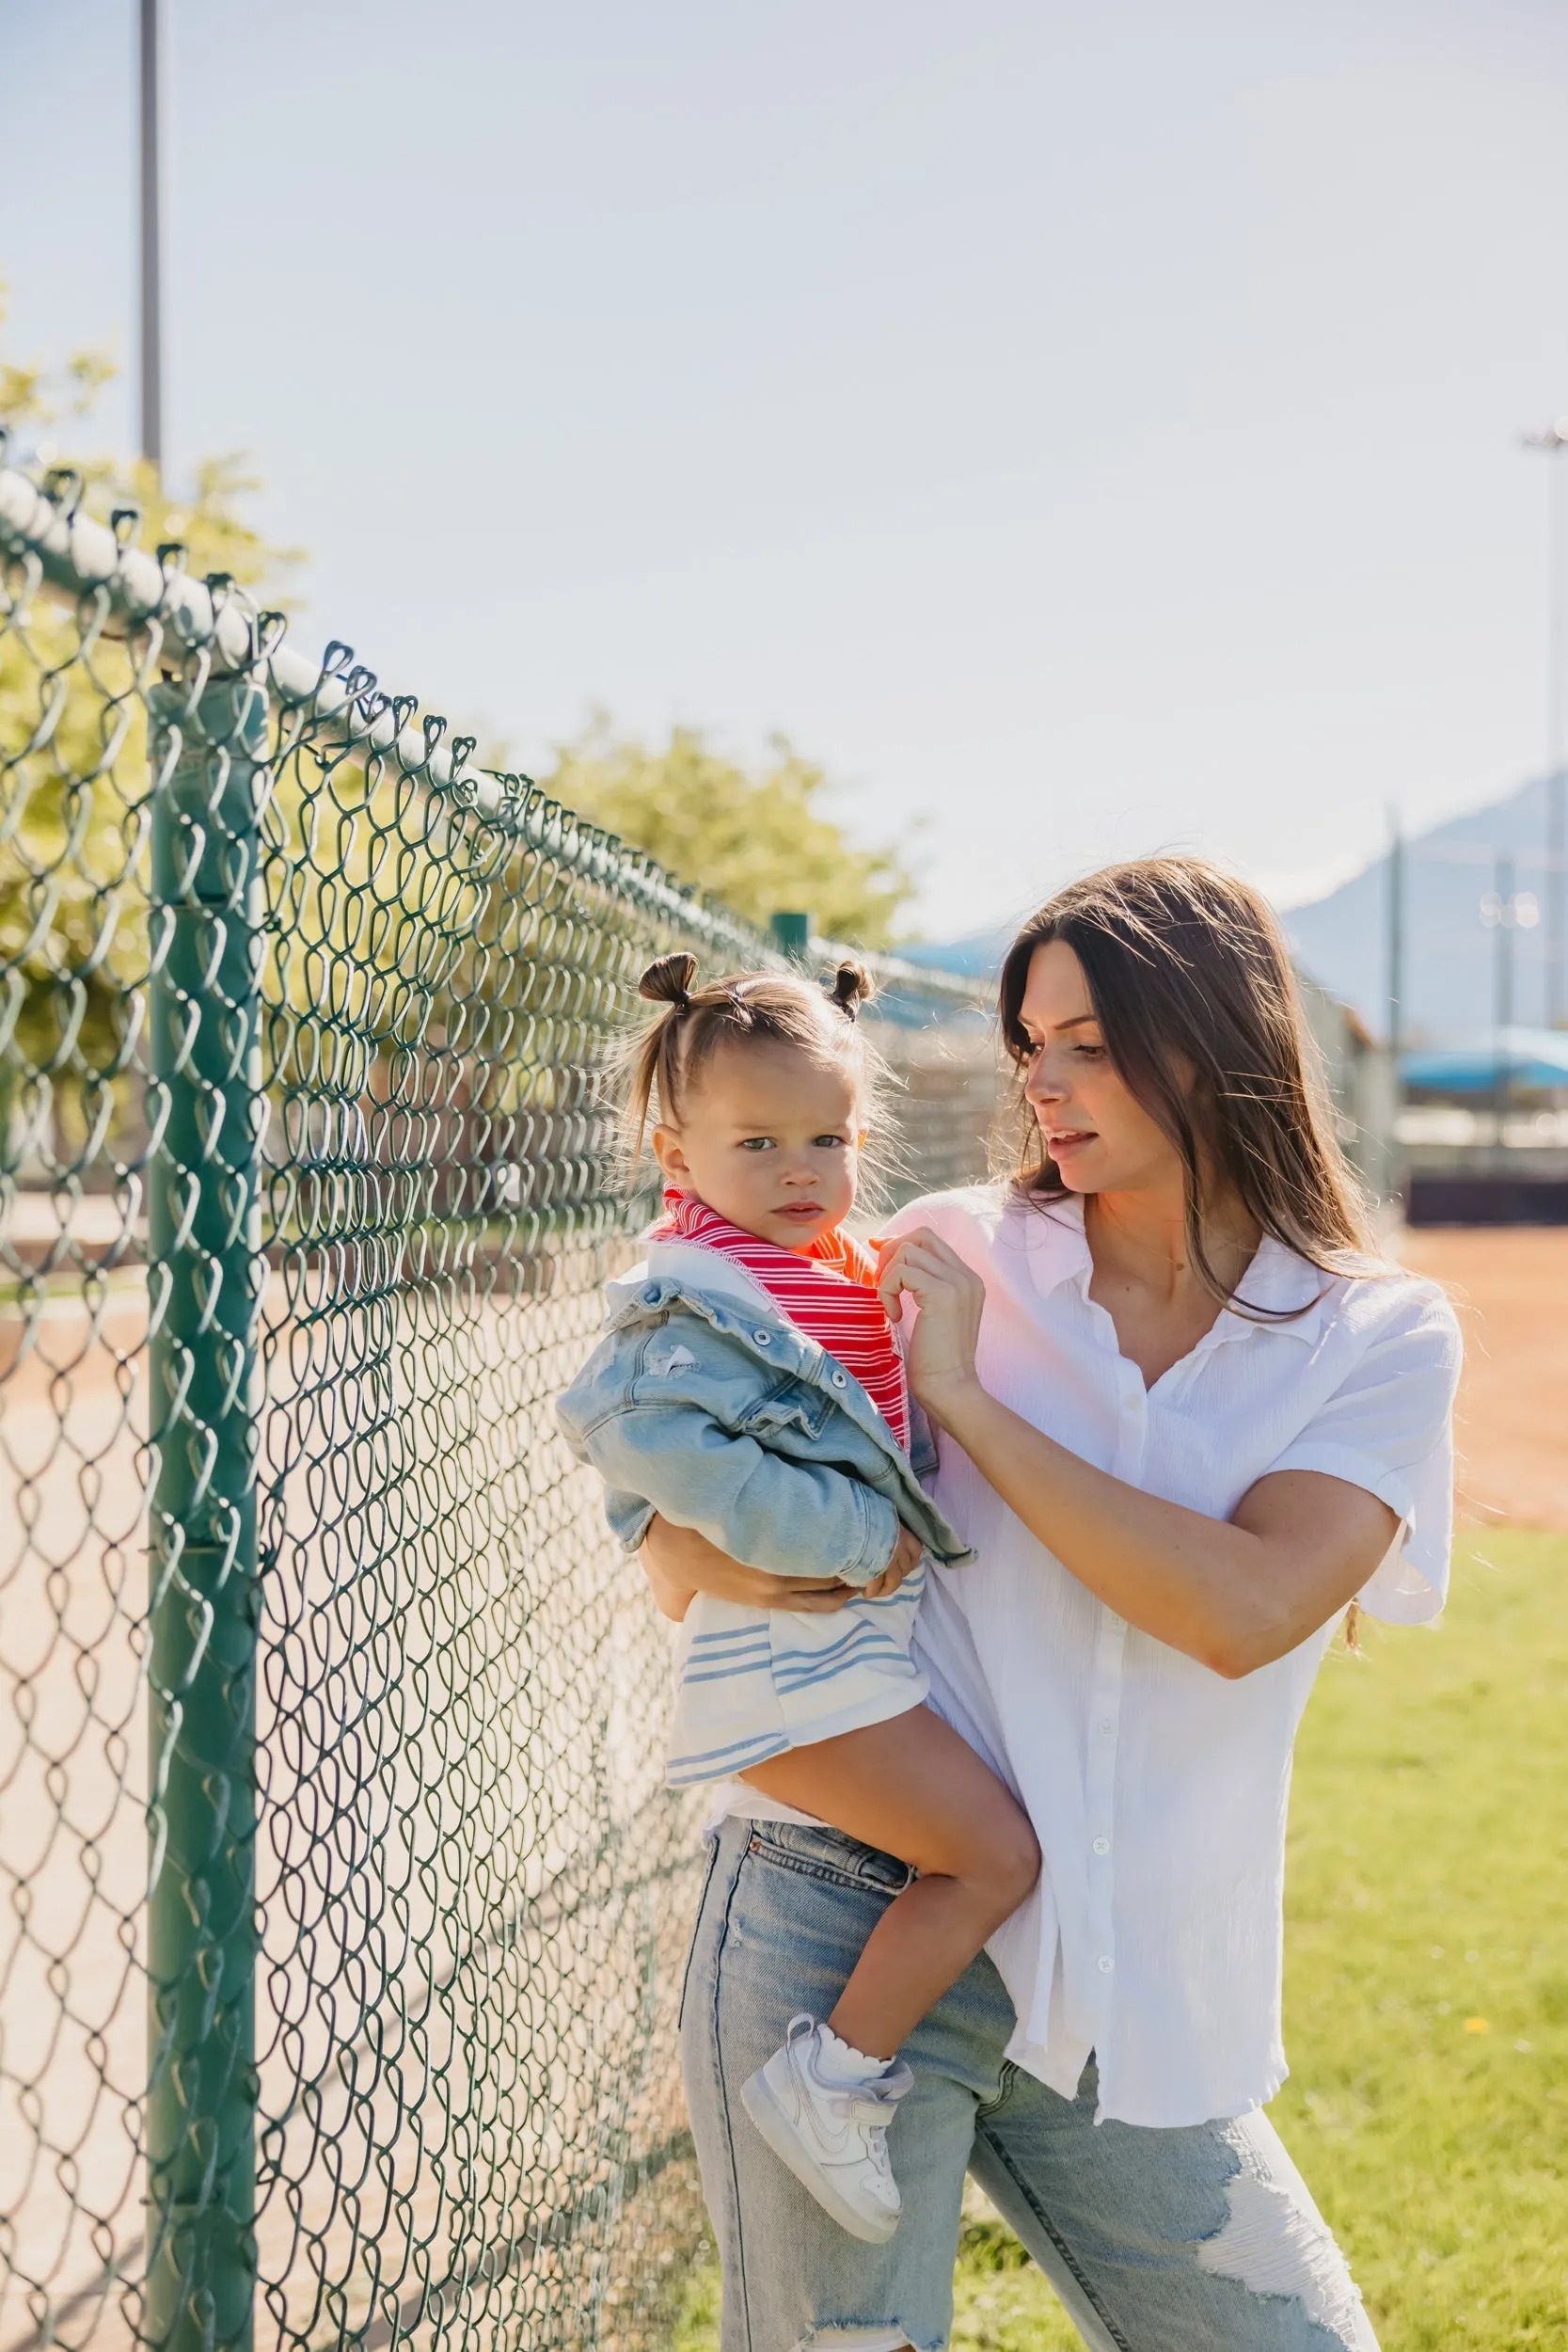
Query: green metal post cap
[792,932]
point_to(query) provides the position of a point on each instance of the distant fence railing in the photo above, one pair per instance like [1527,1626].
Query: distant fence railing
[345,1903]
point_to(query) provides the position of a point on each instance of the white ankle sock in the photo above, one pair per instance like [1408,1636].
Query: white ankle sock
[837,2062]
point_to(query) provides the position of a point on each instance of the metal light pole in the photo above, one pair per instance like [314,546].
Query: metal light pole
[1390,1100]
[150,246]
[1396,939]
[1505,910]
[1553,439]
[1499,907]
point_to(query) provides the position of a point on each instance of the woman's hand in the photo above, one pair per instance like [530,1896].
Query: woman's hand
[679,1563]
[951,1299]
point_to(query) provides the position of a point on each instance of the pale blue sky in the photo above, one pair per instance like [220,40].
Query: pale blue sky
[1082,432]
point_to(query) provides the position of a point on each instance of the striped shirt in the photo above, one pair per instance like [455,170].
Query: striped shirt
[830,1293]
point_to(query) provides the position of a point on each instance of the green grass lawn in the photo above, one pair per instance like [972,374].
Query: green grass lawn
[1426,1981]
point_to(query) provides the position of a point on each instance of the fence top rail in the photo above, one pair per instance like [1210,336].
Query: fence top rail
[340,701]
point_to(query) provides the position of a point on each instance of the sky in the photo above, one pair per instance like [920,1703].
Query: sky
[1084,431]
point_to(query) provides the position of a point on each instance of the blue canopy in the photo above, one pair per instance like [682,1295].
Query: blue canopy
[1532,1059]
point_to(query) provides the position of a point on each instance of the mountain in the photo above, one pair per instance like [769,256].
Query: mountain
[978,957]
[1451,955]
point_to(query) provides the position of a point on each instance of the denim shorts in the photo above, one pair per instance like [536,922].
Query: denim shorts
[1203,2239]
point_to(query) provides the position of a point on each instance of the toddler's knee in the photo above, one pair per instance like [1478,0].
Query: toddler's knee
[1013,1860]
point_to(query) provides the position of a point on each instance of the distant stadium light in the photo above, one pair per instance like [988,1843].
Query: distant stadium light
[1522,911]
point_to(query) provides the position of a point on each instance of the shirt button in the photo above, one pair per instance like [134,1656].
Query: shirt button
[763,1339]
[1106,1964]
[1102,1845]
[650,1298]
[841,1380]
[1105,1727]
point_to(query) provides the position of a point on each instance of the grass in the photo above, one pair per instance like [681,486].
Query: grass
[1426,1982]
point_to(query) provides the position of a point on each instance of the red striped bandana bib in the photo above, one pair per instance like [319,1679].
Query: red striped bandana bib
[831,1295]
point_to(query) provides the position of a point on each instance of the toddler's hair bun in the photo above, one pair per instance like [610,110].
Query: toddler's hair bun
[669,980]
[850,987]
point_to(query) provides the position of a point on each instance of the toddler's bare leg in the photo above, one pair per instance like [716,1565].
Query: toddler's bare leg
[914,1788]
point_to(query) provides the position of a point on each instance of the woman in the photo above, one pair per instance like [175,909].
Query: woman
[1187,1423]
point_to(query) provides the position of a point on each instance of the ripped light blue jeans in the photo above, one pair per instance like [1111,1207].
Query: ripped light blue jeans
[1197,2240]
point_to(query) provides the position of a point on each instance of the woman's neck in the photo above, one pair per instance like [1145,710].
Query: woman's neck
[1139,1238]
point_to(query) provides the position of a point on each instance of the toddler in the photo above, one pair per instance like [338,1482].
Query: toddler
[750,1385]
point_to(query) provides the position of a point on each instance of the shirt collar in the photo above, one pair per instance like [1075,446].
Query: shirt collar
[1289,1291]
[1057,1245]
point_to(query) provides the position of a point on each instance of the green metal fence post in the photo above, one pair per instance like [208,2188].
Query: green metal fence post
[792,932]
[204,1269]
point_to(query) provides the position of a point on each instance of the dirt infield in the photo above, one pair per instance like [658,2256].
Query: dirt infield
[1511,1288]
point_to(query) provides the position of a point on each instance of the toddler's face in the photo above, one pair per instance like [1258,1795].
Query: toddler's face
[769,1138]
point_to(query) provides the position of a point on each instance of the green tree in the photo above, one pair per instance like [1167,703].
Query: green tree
[207,523]
[73,780]
[759,839]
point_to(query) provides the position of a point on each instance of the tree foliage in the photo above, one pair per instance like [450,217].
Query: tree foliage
[208,524]
[73,774]
[74,942]
[760,839]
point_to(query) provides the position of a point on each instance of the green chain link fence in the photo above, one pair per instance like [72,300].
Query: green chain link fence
[344,1905]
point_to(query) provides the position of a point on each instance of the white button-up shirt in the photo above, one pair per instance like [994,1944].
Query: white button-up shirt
[1157,1788]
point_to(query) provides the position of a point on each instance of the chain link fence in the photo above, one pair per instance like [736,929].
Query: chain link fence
[344,1904]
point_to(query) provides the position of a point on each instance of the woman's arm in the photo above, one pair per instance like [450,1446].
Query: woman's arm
[672,1598]
[1234,1594]
[679,1563]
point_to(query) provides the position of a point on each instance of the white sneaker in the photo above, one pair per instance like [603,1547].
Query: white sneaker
[833,2135]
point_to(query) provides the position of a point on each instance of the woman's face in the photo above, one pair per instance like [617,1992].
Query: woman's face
[1095,1129]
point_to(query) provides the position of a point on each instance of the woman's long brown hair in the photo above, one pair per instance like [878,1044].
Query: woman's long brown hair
[1200,1014]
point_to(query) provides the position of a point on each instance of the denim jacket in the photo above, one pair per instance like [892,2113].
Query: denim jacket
[702,1403]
